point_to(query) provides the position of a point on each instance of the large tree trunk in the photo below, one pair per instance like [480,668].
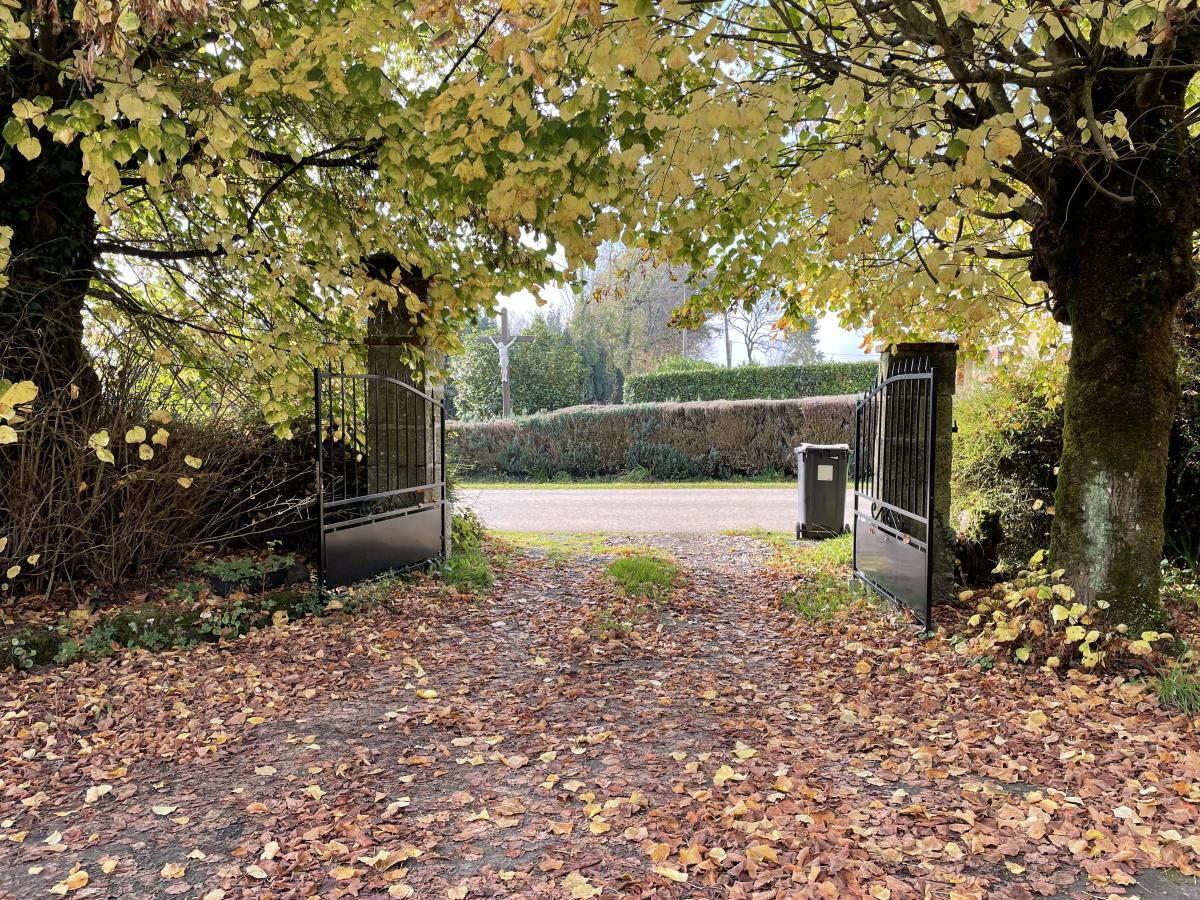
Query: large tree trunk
[1117,271]
[44,202]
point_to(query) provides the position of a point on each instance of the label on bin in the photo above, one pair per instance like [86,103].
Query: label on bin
[824,473]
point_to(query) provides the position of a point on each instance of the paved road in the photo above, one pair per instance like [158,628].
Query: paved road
[635,510]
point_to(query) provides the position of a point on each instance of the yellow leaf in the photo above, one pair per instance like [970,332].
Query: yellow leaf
[19,393]
[862,667]
[183,482]
[30,148]
[194,461]
[161,437]
[667,872]
[254,870]
[172,870]
[659,852]
[763,853]
[164,810]
[314,791]
[161,416]
[722,775]
[8,434]
[427,694]
[76,880]
[109,865]
[135,435]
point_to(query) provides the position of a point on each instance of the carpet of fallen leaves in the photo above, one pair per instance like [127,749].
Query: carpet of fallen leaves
[451,747]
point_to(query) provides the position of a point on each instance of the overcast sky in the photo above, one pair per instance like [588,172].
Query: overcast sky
[835,342]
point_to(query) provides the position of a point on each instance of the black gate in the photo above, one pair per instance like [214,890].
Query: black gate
[381,475]
[893,486]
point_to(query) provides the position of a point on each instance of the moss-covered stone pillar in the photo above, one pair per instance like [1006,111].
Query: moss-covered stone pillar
[905,406]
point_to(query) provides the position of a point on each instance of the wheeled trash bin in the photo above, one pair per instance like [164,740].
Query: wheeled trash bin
[821,479]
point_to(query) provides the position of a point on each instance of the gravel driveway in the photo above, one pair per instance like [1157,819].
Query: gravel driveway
[635,510]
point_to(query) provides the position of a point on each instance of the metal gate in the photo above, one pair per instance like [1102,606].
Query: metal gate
[893,486]
[381,475]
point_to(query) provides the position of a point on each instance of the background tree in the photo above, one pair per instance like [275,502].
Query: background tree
[546,373]
[756,327]
[628,304]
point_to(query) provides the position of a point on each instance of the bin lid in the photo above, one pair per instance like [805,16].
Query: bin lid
[805,447]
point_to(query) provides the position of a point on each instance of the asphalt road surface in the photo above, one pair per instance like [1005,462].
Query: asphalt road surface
[636,510]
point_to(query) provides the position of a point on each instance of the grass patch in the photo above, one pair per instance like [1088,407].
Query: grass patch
[468,570]
[835,552]
[819,599]
[821,570]
[1179,687]
[648,576]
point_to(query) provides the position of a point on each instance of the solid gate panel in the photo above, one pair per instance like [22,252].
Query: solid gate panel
[363,551]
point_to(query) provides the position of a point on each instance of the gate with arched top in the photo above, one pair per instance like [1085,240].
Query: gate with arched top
[894,486]
[381,475]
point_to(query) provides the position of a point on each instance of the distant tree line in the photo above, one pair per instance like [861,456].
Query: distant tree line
[620,322]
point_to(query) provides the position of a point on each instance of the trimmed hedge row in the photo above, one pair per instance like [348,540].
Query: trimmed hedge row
[752,382]
[668,440]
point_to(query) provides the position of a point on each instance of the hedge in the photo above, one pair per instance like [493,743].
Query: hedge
[667,440]
[752,383]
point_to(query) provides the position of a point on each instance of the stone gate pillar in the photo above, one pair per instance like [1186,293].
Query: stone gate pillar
[944,359]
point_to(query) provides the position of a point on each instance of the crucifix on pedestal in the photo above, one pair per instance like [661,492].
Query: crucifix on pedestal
[502,343]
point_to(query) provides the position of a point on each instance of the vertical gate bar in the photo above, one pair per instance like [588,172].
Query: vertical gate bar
[392,449]
[858,429]
[441,450]
[930,536]
[918,424]
[902,426]
[901,454]
[342,428]
[320,481]
[355,434]
[873,431]
[888,414]
[878,436]
[411,431]
[910,475]
[878,428]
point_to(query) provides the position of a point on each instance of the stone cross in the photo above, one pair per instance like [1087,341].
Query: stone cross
[502,343]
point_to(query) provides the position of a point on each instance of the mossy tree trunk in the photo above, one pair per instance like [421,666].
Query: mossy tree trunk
[1118,269]
[44,201]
